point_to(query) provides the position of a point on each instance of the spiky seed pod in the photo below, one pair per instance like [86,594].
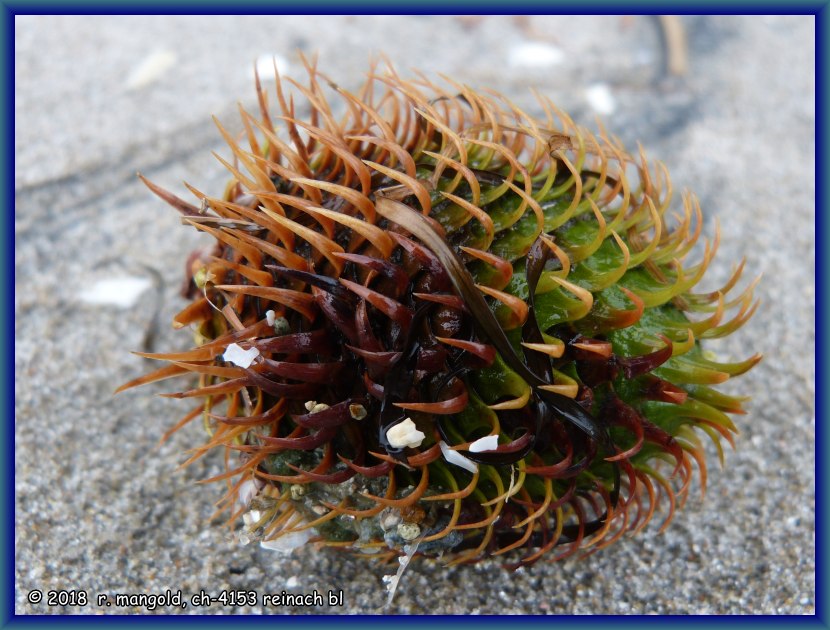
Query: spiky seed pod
[436,322]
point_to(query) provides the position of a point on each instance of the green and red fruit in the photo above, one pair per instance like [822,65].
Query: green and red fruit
[434,324]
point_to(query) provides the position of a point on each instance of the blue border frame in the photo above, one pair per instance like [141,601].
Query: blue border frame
[9,9]
[822,380]
[7,317]
[368,7]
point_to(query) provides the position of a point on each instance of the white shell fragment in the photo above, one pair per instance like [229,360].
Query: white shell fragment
[247,491]
[251,518]
[122,292]
[601,99]
[389,518]
[487,443]
[242,358]
[535,55]
[270,317]
[265,66]
[454,457]
[405,434]
[151,69]
[392,581]
[289,542]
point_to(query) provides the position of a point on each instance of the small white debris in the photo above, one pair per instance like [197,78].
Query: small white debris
[292,582]
[357,412]
[535,55]
[289,542]
[389,518]
[454,457]
[265,66]
[409,531]
[392,581]
[121,292]
[151,69]
[242,358]
[247,491]
[312,406]
[405,434]
[251,518]
[297,491]
[601,99]
[487,443]
[270,317]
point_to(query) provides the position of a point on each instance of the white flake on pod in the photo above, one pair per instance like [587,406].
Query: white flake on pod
[358,412]
[235,354]
[487,443]
[405,434]
[312,406]
[454,457]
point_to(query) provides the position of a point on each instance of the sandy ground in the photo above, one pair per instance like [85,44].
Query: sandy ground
[100,508]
